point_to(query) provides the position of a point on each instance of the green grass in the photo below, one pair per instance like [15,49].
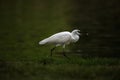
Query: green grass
[61,69]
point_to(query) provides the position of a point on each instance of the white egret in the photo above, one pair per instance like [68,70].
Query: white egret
[62,39]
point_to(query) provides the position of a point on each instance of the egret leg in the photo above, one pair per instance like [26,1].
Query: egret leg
[65,55]
[64,52]
[52,50]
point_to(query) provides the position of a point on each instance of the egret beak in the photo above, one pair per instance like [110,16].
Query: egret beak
[78,32]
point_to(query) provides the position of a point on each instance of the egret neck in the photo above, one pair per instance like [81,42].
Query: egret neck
[75,36]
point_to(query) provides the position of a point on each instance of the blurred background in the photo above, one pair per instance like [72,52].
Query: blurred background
[23,23]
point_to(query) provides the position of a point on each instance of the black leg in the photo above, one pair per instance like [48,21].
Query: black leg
[65,55]
[52,50]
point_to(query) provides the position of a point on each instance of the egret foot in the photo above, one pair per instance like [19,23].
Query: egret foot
[65,55]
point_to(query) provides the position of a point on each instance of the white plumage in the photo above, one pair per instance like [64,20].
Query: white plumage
[61,38]
[58,38]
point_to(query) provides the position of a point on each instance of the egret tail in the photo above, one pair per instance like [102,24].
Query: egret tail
[43,42]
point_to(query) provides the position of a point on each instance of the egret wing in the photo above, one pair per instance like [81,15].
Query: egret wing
[60,38]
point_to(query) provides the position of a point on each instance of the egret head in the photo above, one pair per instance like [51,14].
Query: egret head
[76,31]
